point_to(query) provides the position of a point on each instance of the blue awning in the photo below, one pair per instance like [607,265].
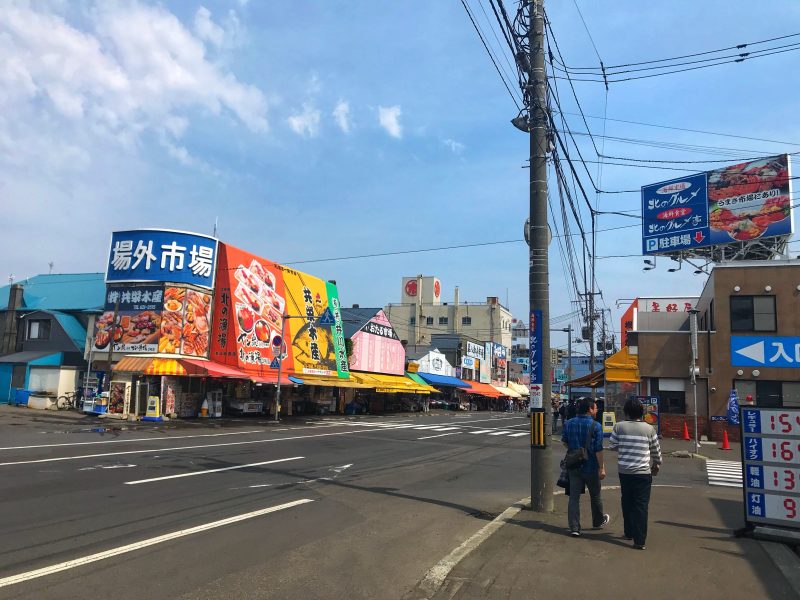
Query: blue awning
[296,379]
[443,380]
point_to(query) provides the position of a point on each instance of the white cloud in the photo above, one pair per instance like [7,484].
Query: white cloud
[206,29]
[307,122]
[389,118]
[455,147]
[135,68]
[342,115]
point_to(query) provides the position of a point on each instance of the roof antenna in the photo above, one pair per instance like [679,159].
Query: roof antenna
[50,264]
[11,279]
[216,221]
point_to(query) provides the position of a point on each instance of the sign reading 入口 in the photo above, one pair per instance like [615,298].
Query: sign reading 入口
[162,255]
[771,464]
[765,351]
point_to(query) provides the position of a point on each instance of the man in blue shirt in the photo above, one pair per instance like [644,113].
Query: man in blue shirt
[592,472]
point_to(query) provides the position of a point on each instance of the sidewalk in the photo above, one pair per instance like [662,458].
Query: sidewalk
[691,553]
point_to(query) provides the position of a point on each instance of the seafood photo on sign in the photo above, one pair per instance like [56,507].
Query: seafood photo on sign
[172,321]
[196,323]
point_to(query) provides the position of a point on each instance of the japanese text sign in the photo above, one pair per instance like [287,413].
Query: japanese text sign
[741,202]
[771,465]
[765,351]
[535,362]
[162,255]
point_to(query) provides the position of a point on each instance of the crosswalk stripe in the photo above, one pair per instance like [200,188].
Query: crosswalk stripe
[726,473]
[518,434]
[500,433]
[481,431]
[445,428]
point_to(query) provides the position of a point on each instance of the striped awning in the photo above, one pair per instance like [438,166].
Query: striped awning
[392,384]
[506,391]
[522,390]
[325,381]
[484,389]
[132,364]
[170,366]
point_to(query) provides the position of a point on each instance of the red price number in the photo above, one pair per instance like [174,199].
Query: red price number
[784,450]
[783,422]
[784,479]
[790,505]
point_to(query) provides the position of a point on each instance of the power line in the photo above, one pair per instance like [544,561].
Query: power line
[489,52]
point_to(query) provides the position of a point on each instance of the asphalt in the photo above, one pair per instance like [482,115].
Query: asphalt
[376,504]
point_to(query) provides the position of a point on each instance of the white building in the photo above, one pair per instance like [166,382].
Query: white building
[422,313]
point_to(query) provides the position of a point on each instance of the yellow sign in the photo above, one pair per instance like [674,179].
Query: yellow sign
[153,412]
[609,420]
[537,429]
[413,367]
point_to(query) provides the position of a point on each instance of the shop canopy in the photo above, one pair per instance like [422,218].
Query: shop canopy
[484,389]
[507,391]
[390,384]
[443,380]
[592,380]
[325,381]
[522,390]
[193,367]
[623,366]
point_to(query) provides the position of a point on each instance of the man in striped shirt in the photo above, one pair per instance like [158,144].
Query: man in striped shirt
[639,458]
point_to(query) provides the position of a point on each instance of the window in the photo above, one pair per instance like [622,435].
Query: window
[772,394]
[753,313]
[39,329]
[466,320]
[671,395]
[429,320]
[442,320]
[412,320]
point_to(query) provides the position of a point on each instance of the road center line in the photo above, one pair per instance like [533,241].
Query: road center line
[85,560]
[430,437]
[193,473]
[162,450]
[152,439]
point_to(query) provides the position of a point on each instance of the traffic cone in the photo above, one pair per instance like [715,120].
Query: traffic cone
[685,437]
[725,443]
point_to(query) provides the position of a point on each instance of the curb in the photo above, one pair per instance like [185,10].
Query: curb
[786,561]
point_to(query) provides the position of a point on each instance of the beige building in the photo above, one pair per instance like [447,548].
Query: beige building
[422,313]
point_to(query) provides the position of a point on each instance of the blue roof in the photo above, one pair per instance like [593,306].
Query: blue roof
[73,291]
[443,380]
[72,327]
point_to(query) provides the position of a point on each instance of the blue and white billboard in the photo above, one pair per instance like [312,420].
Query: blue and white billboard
[739,203]
[162,255]
[765,351]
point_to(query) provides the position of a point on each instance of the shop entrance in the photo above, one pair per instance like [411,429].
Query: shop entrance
[140,390]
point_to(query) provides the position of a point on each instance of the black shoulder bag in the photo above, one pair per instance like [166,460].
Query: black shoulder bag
[575,459]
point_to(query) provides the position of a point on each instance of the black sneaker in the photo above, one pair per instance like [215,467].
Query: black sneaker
[575,533]
[639,546]
[606,521]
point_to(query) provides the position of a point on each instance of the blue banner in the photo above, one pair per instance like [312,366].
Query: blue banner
[733,409]
[765,351]
[162,255]
[536,358]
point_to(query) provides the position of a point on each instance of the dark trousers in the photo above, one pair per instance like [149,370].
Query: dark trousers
[635,500]
[576,483]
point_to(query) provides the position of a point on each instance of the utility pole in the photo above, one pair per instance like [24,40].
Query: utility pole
[590,316]
[538,275]
[568,329]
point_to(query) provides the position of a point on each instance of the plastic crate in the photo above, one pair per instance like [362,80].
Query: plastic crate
[21,397]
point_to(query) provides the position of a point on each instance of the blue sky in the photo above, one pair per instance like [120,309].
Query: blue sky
[313,130]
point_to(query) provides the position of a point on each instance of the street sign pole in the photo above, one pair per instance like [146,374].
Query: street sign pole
[693,333]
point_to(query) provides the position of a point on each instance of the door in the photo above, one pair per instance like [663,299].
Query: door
[5,383]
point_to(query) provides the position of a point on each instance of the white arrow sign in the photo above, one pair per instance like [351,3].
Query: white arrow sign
[753,352]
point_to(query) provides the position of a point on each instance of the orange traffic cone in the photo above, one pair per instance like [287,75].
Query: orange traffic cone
[685,437]
[725,443]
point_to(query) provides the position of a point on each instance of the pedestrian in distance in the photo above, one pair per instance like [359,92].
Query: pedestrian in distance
[572,409]
[584,433]
[554,405]
[639,459]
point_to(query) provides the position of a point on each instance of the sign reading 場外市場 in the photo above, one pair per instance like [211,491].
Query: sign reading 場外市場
[738,203]
[162,255]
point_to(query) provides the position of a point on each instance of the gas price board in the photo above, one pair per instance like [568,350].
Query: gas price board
[771,463]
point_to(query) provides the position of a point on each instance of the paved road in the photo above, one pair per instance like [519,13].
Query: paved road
[324,508]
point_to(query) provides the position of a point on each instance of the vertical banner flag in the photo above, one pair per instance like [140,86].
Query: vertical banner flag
[733,409]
